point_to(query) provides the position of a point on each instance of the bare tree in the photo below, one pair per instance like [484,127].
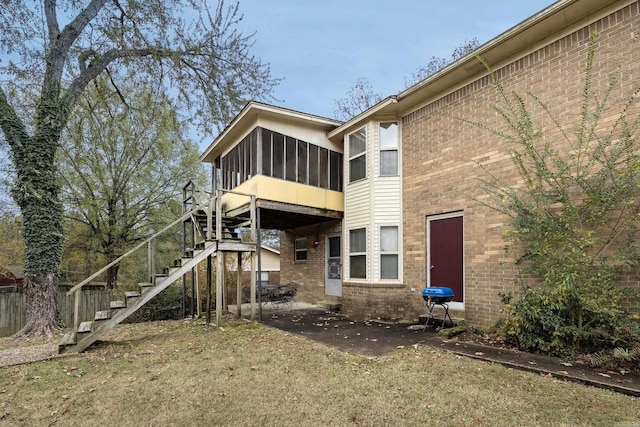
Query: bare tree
[359,98]
[436,63]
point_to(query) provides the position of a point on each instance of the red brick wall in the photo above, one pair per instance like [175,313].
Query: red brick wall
[310,273]
[440,151]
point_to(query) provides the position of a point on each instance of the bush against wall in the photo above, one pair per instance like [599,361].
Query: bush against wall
[574,218]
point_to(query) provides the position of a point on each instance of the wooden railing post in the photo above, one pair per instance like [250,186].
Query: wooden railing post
[150,268]
[219,215]
[76,308]
[210,217]
[239,287]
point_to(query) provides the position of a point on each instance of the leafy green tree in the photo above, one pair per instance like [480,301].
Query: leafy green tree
[574,218]
[122,164]
[50,53]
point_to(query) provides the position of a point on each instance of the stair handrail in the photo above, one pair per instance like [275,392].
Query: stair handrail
[184,217]
[189,192]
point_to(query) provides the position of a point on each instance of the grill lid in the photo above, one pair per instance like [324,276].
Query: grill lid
[436,291]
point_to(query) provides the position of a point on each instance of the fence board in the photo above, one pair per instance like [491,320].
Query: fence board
[13,308]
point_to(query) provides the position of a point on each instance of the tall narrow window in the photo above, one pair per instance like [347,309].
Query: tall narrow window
[358,253]
[357,155]
[278,155]
[303,152]
[301,249]
[266,152]
[313,165]
[292,156]
[323,168]
[388,252]
[388,149]
[335,171]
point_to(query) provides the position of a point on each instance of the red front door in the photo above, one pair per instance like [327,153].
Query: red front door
[446,254]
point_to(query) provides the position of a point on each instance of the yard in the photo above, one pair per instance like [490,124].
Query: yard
[176,373]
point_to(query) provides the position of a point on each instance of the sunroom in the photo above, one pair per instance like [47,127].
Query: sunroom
[285,159]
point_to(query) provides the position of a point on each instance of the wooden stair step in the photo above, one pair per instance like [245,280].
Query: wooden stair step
[145,286]
[131,294]
[85,327]
[159,278]
[102,315]
[68,339]
[117,304]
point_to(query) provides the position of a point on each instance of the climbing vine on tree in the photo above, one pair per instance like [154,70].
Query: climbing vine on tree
[52,50]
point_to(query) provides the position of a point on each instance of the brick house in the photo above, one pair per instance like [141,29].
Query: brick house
[374,209]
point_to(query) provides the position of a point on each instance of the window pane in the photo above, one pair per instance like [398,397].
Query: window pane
[301,243]
[357,142]
[302,162]
[253,137]
[389,239]
[358,240]
[335,171]
[266,152]
[358,267]
[388,135]
[334,247]
[291,159]
[388,266]
[324,168]
[300,249]
[389,162]
[313,165]
[358,168]
[278,155]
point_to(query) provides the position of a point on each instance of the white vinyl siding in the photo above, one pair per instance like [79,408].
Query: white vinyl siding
[371,203]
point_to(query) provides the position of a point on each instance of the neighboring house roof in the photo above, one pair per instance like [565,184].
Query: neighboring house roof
[270,249]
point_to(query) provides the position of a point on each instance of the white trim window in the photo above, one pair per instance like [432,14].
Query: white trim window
[389,253]
[300,249]
[358,253]
[388,149]
[358,155]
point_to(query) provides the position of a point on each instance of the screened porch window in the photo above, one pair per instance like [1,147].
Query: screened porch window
[269,153]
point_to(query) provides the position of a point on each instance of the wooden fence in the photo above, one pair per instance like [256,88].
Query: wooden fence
[13,307]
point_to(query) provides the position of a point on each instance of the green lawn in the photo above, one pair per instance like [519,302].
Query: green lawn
[181,373]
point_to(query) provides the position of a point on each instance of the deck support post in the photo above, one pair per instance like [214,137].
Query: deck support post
[209,282]
[219,283]
[239,287]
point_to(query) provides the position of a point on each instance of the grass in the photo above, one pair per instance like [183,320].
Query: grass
[182,373]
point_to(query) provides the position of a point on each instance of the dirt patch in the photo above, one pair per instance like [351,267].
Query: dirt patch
[368,338]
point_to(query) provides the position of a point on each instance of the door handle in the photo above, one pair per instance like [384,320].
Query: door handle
[431,268]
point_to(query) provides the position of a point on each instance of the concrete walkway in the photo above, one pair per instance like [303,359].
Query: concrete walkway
[628,383]
[373,338]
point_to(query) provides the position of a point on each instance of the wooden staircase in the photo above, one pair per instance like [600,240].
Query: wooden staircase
[211,233]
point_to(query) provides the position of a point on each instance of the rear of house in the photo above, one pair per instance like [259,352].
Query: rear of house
[373,210]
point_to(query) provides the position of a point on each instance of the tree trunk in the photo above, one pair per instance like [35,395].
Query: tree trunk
[112,276]
[41,306]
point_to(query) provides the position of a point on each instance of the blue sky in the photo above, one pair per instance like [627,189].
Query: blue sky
[321,47]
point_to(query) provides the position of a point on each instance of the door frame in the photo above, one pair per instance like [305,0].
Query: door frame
[337,283]
[454,305]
